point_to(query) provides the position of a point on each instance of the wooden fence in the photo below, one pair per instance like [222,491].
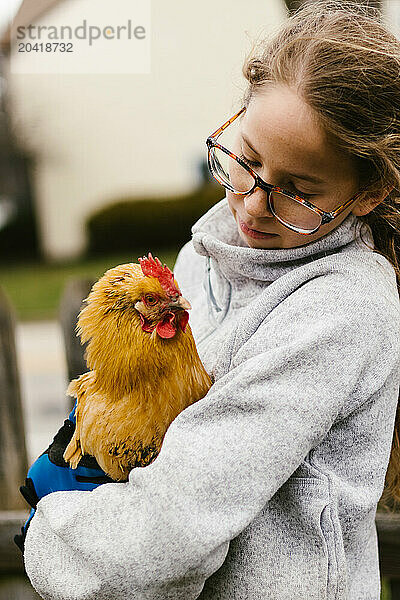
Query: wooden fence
[13,457]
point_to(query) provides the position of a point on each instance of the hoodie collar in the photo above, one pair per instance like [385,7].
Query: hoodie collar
[235,265]
[216,235]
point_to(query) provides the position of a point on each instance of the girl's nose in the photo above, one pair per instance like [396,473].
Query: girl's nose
[256,204]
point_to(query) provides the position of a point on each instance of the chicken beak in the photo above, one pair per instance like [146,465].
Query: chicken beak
[181,303]
[184,303]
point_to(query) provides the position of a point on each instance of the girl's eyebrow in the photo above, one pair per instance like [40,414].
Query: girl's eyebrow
[298,175]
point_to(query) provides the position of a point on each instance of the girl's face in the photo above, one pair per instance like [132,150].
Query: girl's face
[281,138]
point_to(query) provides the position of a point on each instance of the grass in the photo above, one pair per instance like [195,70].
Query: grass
[385,592]
[35,289]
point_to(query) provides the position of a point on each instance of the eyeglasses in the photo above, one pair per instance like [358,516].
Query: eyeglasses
[293,211]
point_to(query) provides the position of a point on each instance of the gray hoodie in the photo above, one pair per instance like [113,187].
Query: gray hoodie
[268,486]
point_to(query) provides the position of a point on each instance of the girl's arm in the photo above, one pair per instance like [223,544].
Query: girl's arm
[168,529]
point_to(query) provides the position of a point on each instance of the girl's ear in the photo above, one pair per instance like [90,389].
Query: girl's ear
[369,200]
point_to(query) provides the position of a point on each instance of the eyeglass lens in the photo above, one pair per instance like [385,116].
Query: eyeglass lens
[232,175]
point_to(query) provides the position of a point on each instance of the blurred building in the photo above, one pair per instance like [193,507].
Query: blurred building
[97,139]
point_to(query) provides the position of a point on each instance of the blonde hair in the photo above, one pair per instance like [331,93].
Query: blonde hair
[344,62]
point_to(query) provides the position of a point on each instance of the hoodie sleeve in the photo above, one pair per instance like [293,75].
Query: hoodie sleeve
[166,530]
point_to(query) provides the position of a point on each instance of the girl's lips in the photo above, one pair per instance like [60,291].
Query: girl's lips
[253,232]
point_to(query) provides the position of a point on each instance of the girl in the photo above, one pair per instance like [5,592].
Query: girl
[269,485]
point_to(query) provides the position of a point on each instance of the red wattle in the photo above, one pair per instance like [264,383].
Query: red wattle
[184,320]
[167,328]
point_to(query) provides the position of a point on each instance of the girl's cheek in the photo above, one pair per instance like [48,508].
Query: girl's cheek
[233,200]
[231,203]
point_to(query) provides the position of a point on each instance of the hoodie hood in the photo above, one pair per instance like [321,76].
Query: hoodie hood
[237,272]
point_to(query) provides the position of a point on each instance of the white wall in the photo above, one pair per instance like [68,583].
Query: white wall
[98,138]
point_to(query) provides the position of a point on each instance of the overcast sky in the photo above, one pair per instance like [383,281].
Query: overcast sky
[7,11]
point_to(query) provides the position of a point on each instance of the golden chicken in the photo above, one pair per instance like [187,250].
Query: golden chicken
[144,367]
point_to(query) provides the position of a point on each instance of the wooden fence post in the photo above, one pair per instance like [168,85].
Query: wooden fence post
[71,303]
[13,458]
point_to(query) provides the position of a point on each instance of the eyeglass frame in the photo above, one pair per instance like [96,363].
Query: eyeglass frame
[326,217]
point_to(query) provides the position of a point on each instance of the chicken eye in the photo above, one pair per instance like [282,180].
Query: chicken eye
[151,300]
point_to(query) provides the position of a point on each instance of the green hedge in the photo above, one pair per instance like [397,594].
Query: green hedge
[152,222]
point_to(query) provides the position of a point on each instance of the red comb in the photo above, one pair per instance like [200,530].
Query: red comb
[152,267]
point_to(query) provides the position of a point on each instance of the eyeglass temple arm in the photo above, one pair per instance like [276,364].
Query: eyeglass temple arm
[338,210]
[228,122]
